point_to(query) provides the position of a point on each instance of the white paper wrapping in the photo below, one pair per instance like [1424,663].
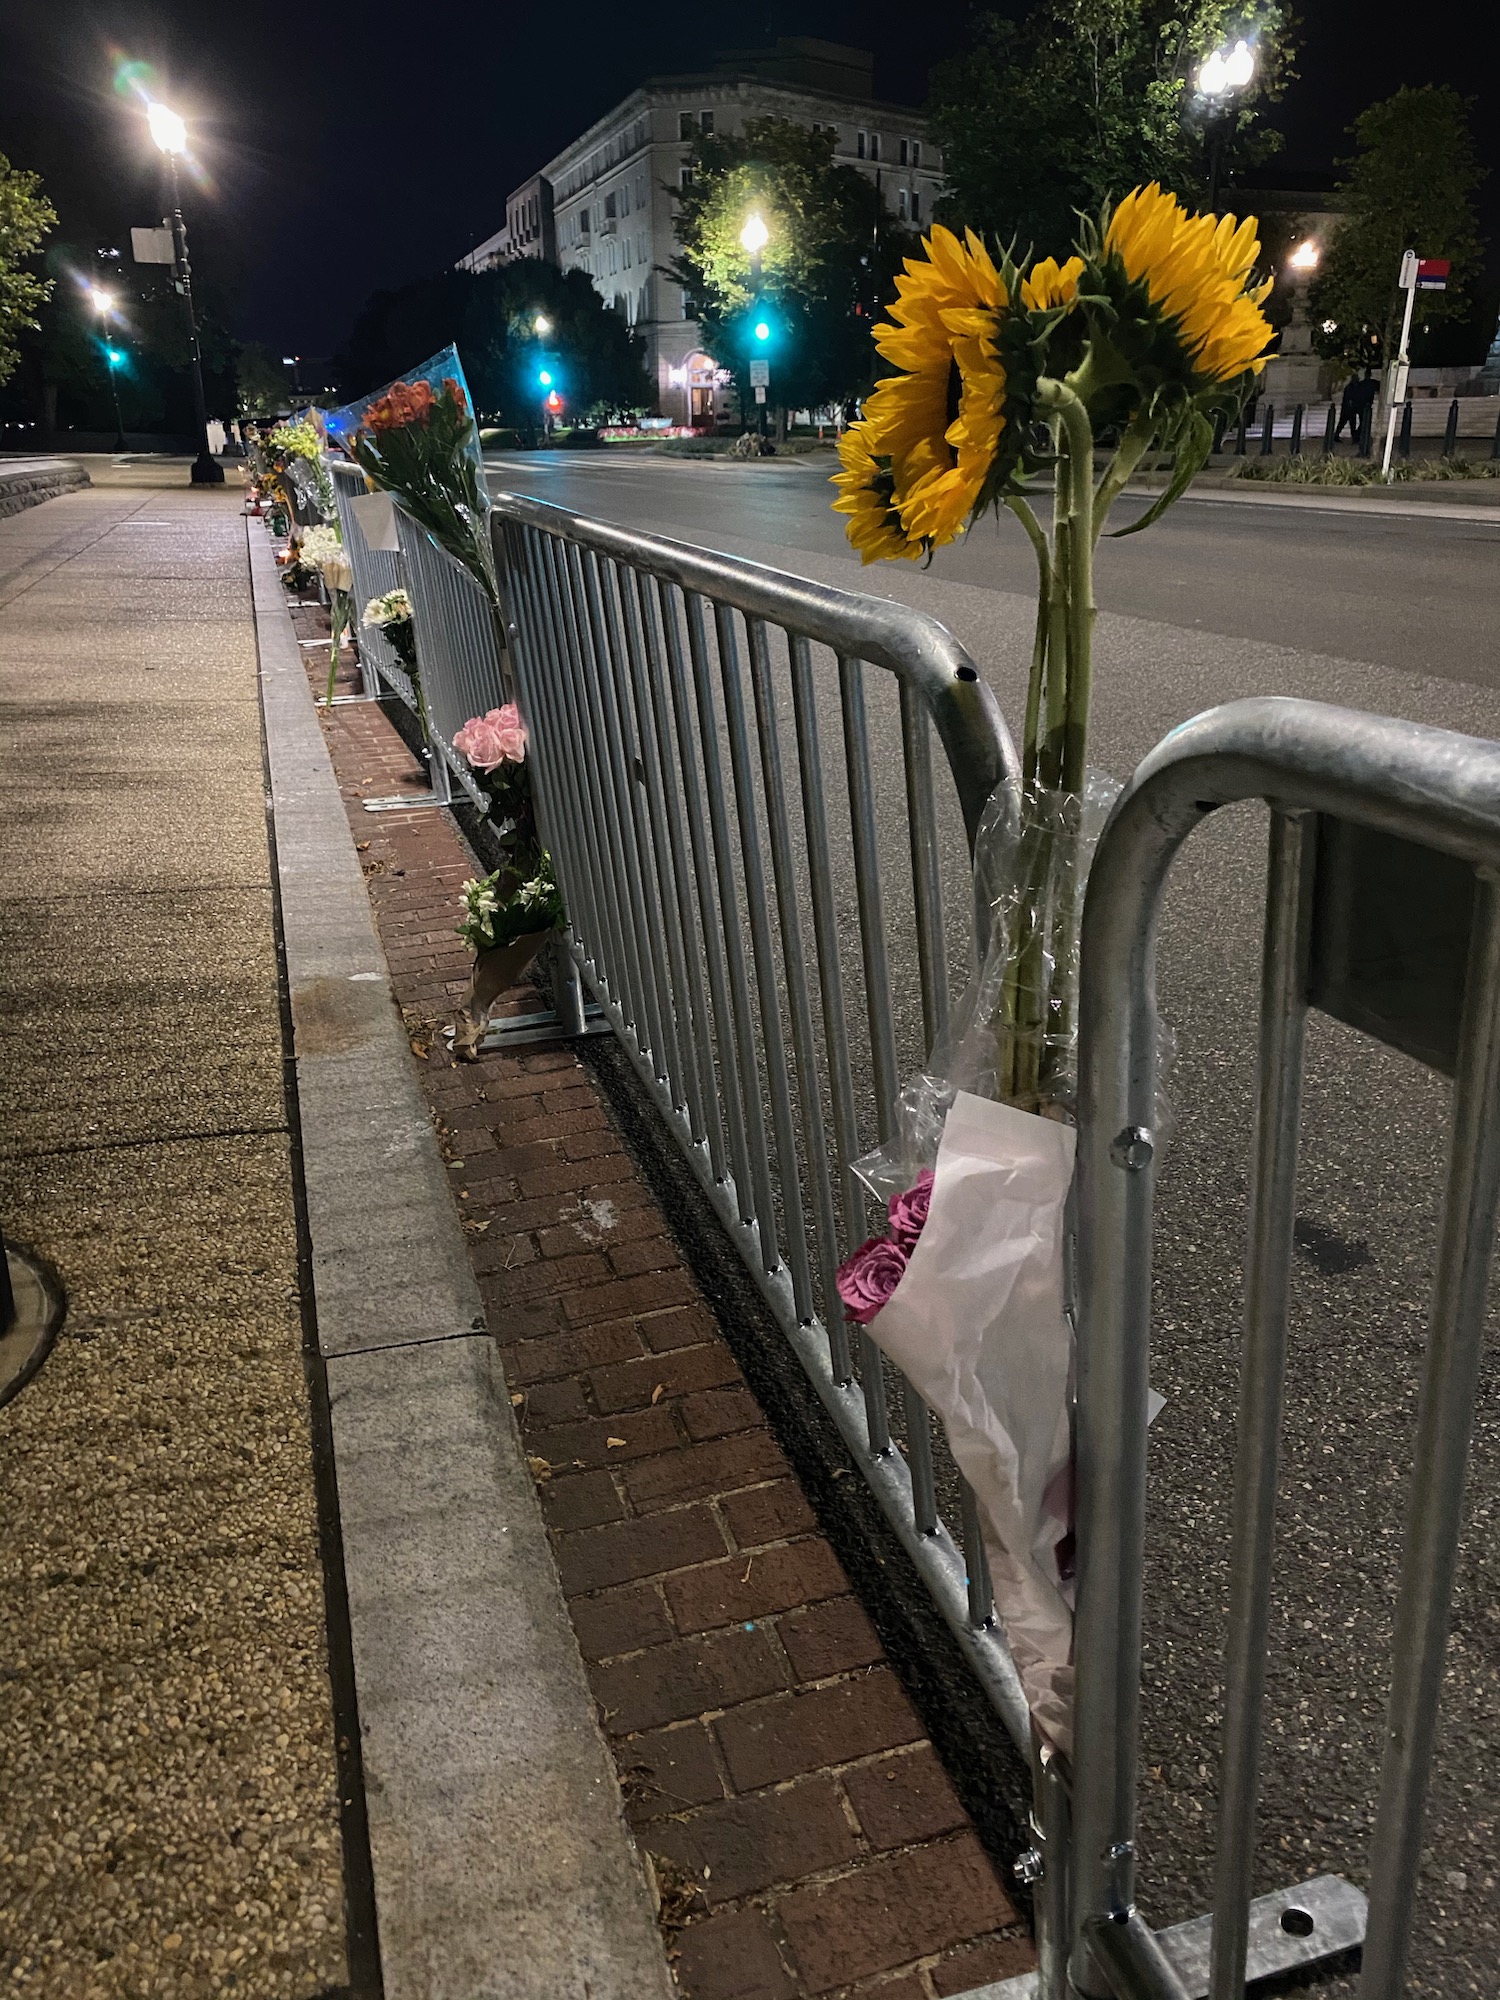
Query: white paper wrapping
[977,1325]
[376,515]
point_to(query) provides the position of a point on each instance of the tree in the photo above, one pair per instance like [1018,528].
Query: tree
[25,218]
[828,267]
[490,317]
[265,384]
[1410,186]
[1082,100]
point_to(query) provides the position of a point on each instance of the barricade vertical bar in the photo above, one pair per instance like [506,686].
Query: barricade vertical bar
[767,991]
[624,763]
[926,876]
[665,882]
[555,743]
[1273,1205]
[734,945]
[919,1460]
[981,1591]
[594,789]
[830,974]
[877,987]
[737,1165]
[1445,1421]
[799,1001]
[867,888]
[542,588]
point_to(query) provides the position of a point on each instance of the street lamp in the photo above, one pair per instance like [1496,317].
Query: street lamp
[1221,76]
[1305,256]
[103,304]
[170,134]
[541,326]
[753,239]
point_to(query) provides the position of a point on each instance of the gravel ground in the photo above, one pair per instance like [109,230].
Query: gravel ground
[1374,1134]
[168,1813]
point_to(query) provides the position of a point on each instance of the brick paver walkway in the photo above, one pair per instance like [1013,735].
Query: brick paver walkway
[804,1835]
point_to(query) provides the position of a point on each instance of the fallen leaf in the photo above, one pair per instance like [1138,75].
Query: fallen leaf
[517,1400]
[361,846]
[540,1468]
[615,1441]
[658,1392]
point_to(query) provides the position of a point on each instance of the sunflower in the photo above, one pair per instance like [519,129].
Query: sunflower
[1196,273]
[940,419]
[866,494]
[1051,284]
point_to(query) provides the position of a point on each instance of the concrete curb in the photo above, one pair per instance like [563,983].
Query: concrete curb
[503,1867]
[35,480]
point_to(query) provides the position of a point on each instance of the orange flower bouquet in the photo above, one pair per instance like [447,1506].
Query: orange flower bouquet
[420,444]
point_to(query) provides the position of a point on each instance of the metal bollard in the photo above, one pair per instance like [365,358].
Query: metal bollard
[1221,419]
[1403,443]
[1366,429]
[1450,434]
[1297,432]
[1240,430]
[1267,443]
[1495,447]
[1328,429]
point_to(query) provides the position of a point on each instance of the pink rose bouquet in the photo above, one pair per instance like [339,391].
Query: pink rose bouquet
[868,1277]
[493,739]
[908,1212]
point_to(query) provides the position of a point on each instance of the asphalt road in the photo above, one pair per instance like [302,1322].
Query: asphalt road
[1393,613]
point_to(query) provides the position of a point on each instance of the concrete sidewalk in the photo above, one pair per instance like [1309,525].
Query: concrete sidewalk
[168,1804]
[273,1376]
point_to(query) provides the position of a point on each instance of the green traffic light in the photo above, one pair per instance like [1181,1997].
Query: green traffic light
[762,330]
[114,356]
[545,378]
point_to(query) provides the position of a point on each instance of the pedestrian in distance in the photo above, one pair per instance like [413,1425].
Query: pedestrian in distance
[1350,408]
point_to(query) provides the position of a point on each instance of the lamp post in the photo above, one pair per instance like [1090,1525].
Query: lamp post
[104,305]
[1221,77]
[169,132]
[753,239]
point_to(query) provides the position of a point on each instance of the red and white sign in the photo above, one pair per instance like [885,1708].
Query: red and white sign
[1432,274]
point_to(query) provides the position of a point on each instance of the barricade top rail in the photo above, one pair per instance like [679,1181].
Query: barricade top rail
[918,649]
[1382,908]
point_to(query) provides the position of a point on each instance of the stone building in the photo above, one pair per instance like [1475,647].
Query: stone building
[604,204]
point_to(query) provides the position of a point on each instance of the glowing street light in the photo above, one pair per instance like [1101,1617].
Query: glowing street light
[170,133]
[1221,76]
[754,236]
[104,304]
[544,376]
[1305,257]
[541,326]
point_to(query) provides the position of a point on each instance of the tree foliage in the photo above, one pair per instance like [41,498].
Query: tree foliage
[488,315]
[827,269]
[1081,100]
[1410,186]
[26,216]
[264,382]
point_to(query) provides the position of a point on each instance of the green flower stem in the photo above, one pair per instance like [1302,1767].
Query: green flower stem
[1022,511]
[1132,449]
[1078,522]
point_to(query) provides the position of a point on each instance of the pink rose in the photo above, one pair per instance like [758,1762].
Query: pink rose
[867,1279]
[496,738]
[908,1212]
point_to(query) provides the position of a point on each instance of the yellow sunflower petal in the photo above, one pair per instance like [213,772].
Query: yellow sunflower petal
[1051,284]
[1195,269]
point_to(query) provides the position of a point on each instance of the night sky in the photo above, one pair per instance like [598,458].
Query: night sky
[350,144]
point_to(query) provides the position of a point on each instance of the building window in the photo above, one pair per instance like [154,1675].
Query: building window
[905,152]
[916,152]
[609,207]
[706,120]
[687,125]
[685,177]
[583,222]
[624,198]
[874,145]
[688,309]
[861,141]
[916,205]
[903,204]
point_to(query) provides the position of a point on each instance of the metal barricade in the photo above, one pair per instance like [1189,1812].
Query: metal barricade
[375,571]
[458,647]
[694,846]
[1383,910]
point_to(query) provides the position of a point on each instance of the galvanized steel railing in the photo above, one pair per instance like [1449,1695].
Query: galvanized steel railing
[1373,823]
[694,846]
[376,571]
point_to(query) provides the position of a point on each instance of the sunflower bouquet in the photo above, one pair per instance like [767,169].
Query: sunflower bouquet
[1002,372]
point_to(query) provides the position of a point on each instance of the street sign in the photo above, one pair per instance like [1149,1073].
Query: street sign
[760,392]
[760,377]
[152,246]
[1432,274]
